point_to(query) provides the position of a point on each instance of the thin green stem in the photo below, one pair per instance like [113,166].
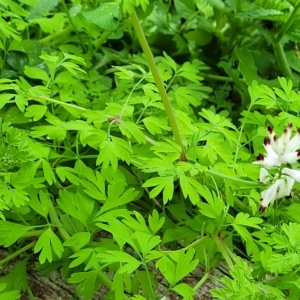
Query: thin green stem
[201,282]
[33,233]
[130,94]
[242,206]
[287,24]
[102,39]
[17,253]
[238,144]
[238,5]
[252,183]
[39,98]
[202,239]
[56,35]
[149,280]
[148,139]
[222,249]
[21,218]
[218,78]
[282,61]
[73,25]
[159,83]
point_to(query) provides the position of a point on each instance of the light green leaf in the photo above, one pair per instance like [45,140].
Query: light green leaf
[49,244]
[4,98]
[246,220]
[36,73]
[106,16]
[87,283]
[155,222]
[184,290]
[11,232]
[36,111]
[131,130]
[78,240]
[130,263]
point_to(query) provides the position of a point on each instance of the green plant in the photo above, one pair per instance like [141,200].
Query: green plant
[127,135]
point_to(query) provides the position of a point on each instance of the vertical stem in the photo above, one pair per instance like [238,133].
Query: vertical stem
[149,280]
[283,64]
[73,25]
[223,251]
[159,83]
[278,47]
[102,39]
[287,25]
[238,145]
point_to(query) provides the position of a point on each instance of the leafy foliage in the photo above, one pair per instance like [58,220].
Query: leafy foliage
[127,131]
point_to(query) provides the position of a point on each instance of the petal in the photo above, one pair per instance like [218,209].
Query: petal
[295,174]
[286,136]
[271,133]
[294,143]
[289,158]
[285,188]
[276,144]
[270,194]
[262,209]
[271,152]
[267,162]
[264,175]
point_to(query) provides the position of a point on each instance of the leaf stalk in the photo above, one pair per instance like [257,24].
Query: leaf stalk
[158,81]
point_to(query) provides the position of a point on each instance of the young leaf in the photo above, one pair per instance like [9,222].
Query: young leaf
[184,290]
[87,256]
[155,222]
[77,205]
[117,198]
[130,130]
[67,173]
[78,240]
[39,202]
[11,232]
[167,267]
[106,16]
[36,73]
[162,183]
[130,263]
[36,111]
[111,151]
[48,172]
[245,220]
[11,295]
[48,243]
[87,283]
[185,264]
[146,241]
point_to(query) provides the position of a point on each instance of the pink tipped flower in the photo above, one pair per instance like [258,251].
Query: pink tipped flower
[280,150]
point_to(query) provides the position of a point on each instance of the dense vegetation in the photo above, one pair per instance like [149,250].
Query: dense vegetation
[129,129]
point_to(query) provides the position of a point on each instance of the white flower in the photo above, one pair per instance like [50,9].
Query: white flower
[264,175]
[280,188]
[295,174]
[280,150]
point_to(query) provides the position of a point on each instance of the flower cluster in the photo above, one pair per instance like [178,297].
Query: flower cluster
[279,151]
